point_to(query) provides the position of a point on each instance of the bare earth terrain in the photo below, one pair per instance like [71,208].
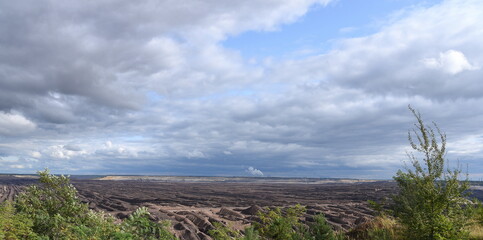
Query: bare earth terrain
[193,204]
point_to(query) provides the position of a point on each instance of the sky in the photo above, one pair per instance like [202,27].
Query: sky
[280,88]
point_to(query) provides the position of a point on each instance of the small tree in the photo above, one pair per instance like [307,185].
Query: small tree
[431,203]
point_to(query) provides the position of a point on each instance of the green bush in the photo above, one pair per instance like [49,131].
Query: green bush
[321,230]
[139,226]
[275,225]
[14,226]
[52,210]
[279,225]
[250,234]
[432,202]
[57,212]
[222,232]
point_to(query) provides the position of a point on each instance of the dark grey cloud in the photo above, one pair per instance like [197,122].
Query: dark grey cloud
[146,87]
[105,53]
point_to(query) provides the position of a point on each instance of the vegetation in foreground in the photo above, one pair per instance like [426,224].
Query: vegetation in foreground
[432,204]
[52,210]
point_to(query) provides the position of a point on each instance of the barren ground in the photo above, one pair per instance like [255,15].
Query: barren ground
[193,206]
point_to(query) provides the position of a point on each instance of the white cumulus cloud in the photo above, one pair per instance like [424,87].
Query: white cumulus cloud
[61,152]
[36,154]
[451,61]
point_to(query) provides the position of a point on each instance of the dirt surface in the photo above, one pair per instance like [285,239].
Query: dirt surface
[193,207]
[10,186]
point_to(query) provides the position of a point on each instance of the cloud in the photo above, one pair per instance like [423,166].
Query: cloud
[254,172]
[58,152]
[227,152]
[108,144]
[74,51]
[451,61]
[36,154]
[72,147]
[14,124]
[17,166]
[195,154]
[389,61]
[149,87]
[113,150]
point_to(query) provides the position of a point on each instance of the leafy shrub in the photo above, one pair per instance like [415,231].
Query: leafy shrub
[57,212]
[250,234]
[432,200]
[141,227]
[222,232]
[52,210]
[279,225]
[321,230]
[275,225]
[14,226]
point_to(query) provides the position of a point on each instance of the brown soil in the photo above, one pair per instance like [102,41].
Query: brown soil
[194,207]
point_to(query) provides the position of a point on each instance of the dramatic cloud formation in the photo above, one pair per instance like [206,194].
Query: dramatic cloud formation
[147,87]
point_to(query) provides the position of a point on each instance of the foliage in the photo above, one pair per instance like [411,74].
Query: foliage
[476,227]
[476,232]
[380,208]
[478,214]
[52,210]
[321,230]
[431,203]
[275,224]
[222,232]
[250,234]
[57,212]
[382,227]
[141,227]
[14,226]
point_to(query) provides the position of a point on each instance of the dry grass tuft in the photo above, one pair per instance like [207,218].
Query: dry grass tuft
[476,232]
[381,227]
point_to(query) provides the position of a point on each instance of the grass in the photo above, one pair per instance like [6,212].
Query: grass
[476,232]
[380,228]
